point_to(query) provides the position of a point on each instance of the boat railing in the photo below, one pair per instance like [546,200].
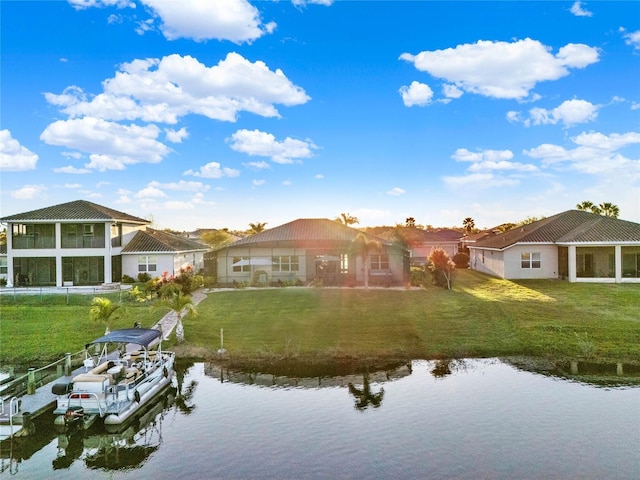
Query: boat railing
[84,395]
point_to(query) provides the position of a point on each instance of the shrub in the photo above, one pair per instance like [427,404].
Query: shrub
[128,279]
[418,276]
[144,277]
[461,260]
[441,267]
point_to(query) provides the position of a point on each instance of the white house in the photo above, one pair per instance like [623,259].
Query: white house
[83,243]
[574,245]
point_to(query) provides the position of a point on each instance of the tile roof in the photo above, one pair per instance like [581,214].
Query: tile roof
[572,226]
[158,241]
[417,236]
[303,230]
[78,210]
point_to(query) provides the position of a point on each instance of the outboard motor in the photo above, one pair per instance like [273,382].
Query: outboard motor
[74,416]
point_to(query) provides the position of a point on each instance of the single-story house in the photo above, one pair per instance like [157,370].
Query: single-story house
[574,245]
[308,250]
[422,242]
[156,252]
[82,243]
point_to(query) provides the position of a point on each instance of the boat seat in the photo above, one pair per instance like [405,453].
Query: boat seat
[93,377]
[131,374]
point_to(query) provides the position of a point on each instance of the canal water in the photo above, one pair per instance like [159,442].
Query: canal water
[465,419]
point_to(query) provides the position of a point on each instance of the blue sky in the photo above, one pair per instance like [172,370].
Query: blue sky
[203,114]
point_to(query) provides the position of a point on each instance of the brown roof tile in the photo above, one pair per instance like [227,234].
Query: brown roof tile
[572,226]
[303,231]
[78,210]
[157,241]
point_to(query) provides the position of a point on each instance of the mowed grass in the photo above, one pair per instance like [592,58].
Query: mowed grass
[481,317]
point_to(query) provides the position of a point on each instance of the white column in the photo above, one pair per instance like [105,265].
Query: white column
[10,277]
[618,261]
[58,250]
[107,253]
[572,263]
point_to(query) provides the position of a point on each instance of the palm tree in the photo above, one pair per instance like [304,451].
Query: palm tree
[588,206]
[347,219]
[361,246]
[182,306]
[608,209]
[256,227]
[468,225]
[103,311]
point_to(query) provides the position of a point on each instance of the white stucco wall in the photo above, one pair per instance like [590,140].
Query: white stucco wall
[507,263]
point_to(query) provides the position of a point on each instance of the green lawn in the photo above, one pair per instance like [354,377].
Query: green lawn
[480,317]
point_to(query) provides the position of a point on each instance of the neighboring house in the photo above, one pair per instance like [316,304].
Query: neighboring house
[156,252]
[422,242]
[574,245]
[72,244]
[306,250]
[469,240]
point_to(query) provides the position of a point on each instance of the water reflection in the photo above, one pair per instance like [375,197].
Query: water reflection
[122,449]
[450,418]
[364,396]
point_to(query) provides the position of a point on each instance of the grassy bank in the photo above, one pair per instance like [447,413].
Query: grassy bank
[480,317]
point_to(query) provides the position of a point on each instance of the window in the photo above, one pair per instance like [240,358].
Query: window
[530,260]
[286,263]
[87,229]
[3,265]
[241,264]
[380,262]
[344,263]
[40,235]
[147,263]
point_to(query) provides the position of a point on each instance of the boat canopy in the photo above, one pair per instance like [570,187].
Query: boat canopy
[139,336]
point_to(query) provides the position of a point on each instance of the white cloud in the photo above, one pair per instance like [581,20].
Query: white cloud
[319,176]
[568,113]
[29,192]
[72,170]
[464,155]
[72,185]
[396,191]
[261,165]
[83,4]
[112,146]
[594,153]
[579,11]
[451,91]
[501,69]
[213,170]
[416,94]
[301,3]
[150,192]
[14,157]
[631,38]
[176,136]
[258,183]
[164,90]
[489,168]
[182,185]
[234,20]
[257,143]
[287,183]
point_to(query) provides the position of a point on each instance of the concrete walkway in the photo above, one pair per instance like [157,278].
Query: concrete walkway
[169,321]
